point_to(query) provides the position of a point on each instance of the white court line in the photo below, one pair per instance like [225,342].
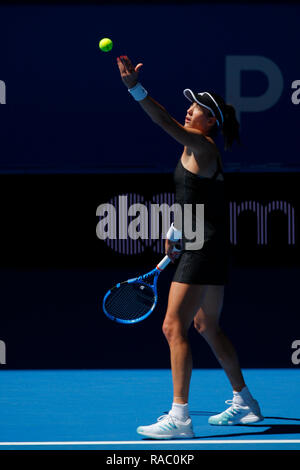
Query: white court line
[153,442]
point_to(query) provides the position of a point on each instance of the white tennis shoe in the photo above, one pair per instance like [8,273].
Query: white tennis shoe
[168,427]
[237,414]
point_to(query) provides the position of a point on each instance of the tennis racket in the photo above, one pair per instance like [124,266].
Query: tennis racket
[133,300]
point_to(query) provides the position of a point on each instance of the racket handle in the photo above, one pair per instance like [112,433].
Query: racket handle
[163,263]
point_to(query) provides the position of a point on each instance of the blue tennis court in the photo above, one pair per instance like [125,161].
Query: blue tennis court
[101,409]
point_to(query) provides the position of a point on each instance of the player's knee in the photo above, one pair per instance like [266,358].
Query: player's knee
[201,328]
[198,326]
[172,330]
[206,329]
[168,330]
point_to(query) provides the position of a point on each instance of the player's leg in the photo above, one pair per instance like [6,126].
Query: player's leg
[206,323]
[243,409]
[184,301]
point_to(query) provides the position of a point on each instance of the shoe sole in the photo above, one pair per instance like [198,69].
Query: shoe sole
[246,420]
[155,436]
[251,419]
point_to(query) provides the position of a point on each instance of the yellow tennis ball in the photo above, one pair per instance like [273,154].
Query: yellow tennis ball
[106,44]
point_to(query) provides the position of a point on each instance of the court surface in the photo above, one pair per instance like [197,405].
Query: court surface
[101,409]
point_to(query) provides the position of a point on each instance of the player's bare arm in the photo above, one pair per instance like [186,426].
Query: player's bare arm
[192,138]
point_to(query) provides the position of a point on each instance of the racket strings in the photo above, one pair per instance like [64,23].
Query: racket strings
[130,301]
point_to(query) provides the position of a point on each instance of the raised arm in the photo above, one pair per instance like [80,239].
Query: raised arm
[191,138]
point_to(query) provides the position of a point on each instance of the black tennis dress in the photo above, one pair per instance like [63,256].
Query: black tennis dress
[210,264]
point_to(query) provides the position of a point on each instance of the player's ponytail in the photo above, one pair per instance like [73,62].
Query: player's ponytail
[230,129]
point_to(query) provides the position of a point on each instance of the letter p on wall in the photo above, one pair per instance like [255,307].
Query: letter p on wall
[235,65]
[2,92]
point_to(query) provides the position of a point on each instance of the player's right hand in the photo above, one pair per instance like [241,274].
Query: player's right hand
[172,249]
[129,73]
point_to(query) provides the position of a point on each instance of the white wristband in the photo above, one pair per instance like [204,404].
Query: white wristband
[138,92]
[173,234]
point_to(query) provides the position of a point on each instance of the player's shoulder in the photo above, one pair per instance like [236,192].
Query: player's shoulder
[206,145]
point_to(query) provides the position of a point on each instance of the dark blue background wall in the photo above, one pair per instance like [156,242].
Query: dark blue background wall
[72,138]
[66,107]
[55,272]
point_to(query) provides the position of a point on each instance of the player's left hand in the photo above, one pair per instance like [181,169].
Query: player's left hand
[129,73]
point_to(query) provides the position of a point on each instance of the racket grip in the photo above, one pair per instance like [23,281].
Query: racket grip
[163,263]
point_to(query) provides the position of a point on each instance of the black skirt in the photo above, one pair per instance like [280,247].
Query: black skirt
[209,266]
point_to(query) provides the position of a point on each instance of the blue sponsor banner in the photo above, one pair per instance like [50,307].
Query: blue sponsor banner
[67,110]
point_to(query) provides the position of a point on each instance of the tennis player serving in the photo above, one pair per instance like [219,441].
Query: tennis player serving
[197,289]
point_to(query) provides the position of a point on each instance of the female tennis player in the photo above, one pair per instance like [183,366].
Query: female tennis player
[197,289]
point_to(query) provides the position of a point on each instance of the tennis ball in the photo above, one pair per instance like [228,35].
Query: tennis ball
[106,44]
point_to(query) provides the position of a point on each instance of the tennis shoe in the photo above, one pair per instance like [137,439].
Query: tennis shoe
[237,414]
[168,427]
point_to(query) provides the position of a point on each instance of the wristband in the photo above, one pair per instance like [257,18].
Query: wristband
[173,234]
[138,92]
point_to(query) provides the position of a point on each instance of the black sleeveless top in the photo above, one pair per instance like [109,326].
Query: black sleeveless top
[194,189]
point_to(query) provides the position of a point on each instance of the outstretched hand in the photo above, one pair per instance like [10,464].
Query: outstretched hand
[129,73]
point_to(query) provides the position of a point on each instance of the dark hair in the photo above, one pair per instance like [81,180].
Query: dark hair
[231,127]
